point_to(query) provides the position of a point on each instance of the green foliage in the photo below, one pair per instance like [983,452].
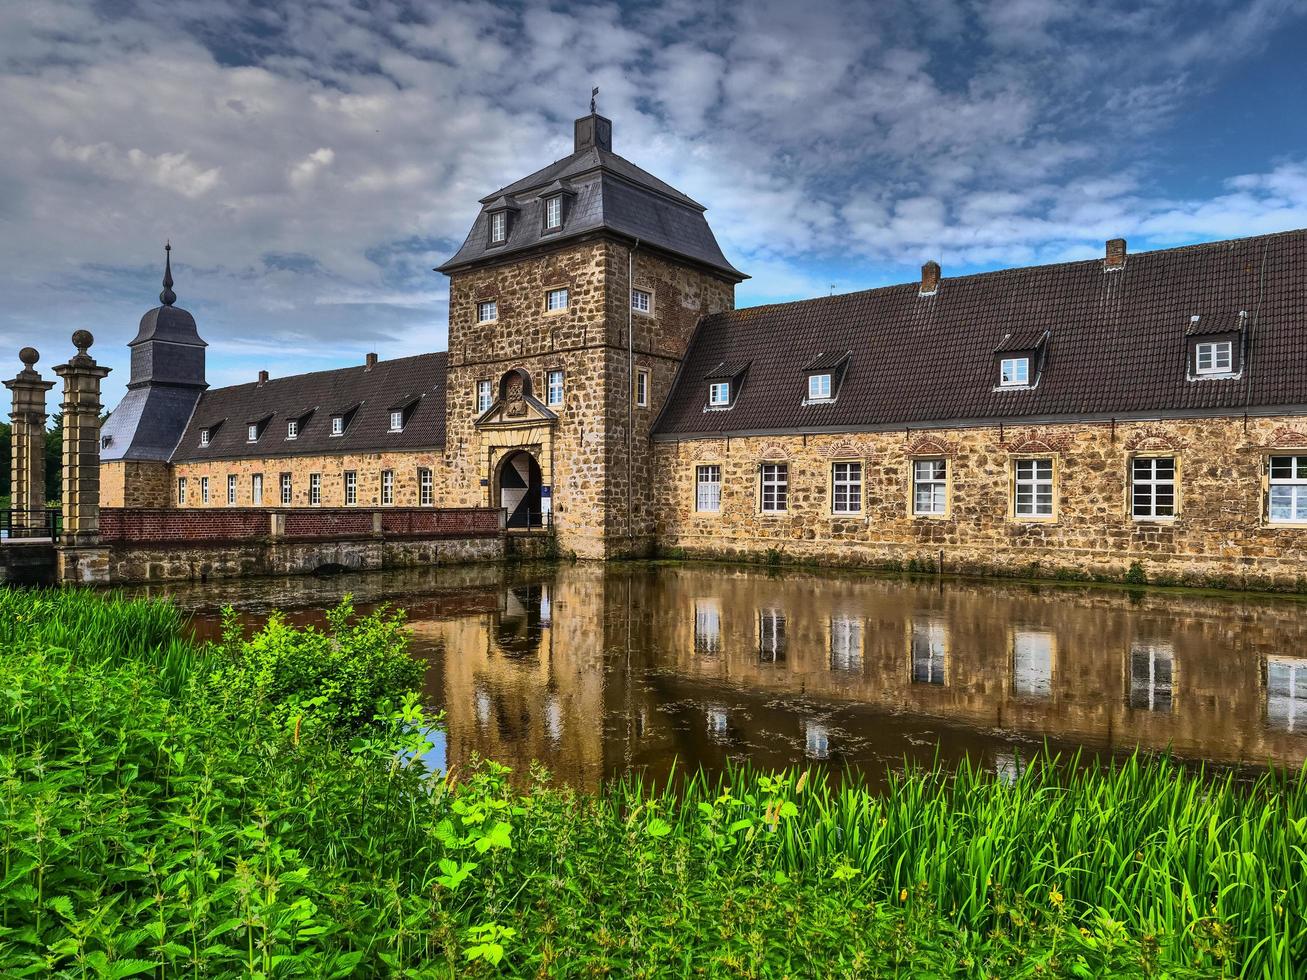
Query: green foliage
[1136,575]
[316,682]
[157,829]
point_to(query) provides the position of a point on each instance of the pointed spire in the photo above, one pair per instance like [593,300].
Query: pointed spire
[167,297]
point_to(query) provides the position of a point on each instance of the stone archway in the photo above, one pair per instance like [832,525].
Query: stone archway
[519,489]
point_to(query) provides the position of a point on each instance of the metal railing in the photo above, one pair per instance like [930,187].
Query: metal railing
[535,520]
[30,524]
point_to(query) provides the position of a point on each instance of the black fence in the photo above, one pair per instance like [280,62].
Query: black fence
[18,524]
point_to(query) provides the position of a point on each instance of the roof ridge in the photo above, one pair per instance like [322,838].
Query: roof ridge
[1010,271]
[336,370]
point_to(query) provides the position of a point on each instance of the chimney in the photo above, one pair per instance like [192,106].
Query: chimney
[263,378]
[369,362]
[1115,254]
[929,278]
[594,130]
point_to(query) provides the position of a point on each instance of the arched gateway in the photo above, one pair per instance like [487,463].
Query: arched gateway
[519,489]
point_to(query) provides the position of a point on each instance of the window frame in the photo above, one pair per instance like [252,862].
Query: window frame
[396,420]
[337,426]
[554,202]
[351,484]
[492,305]
[1014,507]
[252,432]
[1133,482]
[1212,347]
[836,482]
[292,428]
[205,437]
[642,378]
[773,635]
[552,375]
[702,470]
[231,489]
[1297,482]
[426,487]
[815,393]
[484,392]
[779,482]
[387,488]
[256,482]
[315,489]
[497,232]
[286,488]
[648,307]
[916,482]
[550,293]
[1003,371]
[934,639]
[181,491]
[714,388]
[845,647]
[204,489]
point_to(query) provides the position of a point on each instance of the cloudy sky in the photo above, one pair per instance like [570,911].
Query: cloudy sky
[312,161]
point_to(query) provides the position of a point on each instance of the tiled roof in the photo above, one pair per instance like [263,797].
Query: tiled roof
[611,194]
[323,393]
[1116,344]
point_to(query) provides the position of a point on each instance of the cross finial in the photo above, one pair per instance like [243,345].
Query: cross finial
[594,94]
[167,297]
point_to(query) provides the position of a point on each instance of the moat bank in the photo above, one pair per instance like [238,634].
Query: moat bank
[596,670]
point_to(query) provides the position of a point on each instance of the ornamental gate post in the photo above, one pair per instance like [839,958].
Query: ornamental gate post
[81,559]
[27,441]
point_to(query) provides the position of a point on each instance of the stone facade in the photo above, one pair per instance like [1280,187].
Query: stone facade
[1220,534]
[135,483]
[584,453]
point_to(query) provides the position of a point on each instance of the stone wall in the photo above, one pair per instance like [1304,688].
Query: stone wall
[134,483]
[1219,536]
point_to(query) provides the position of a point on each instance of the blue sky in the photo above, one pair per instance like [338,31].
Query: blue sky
[313,161]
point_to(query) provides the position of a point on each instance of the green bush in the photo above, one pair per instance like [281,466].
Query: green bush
[328,683]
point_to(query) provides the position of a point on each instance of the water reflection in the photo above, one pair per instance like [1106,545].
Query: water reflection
[596,670]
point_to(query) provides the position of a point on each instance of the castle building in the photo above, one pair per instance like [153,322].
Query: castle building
[1132,413]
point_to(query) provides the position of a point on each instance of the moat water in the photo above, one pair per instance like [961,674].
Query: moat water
[598,670]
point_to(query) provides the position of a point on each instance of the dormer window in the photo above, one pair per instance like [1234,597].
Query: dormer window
[293,429]
[719,394]
[338,425]
[252,432]
[819,387]
[1214,357]
[204,437]
[498,227]
[554,212]
[397,420]
[1014,372]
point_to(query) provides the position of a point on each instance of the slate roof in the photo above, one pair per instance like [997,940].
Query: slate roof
[372,392]
[611,194]
[1116,345]
[147,423]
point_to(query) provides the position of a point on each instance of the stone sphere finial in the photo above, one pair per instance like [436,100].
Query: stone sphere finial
[82,339]
[29,356]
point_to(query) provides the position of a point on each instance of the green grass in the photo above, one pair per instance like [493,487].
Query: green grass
[150,825]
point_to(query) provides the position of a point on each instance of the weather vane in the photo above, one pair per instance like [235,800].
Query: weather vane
[594,94]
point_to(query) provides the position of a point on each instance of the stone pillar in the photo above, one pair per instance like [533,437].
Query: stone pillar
[81,559]
[27,439]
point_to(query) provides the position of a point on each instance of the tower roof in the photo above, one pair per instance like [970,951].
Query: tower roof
[605,192]
[168,322]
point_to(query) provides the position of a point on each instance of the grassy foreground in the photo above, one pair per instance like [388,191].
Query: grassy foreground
[248,809]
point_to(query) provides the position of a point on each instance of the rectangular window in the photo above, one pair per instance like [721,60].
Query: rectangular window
[337,425]
[554,212]
[487,310]
[929,653]
[1014,372]
[204,489]
[818,387]
[287,490]
[1032,664]
[1034,488]
[293,429]
[315,489]
[846,488]
[426,493]
[1152,486]
[719,393]
[772,642]
[1214,357]
[1287,491]
[641,300]
[351,488]
[845,643]
[181,490]
[929,486]
[707,627]
[556,299]
[1151,667]
[252,432]
[708,489]
[775,480]
[231,490]
[499,227]
[204,437]
[397,421]
[642,387]
[256,489]
[387,487]
[484,400]
[554,388]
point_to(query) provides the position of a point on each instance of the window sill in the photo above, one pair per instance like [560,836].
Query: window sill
[565,309]
[1154,520]
[1032,519]
[1291,525]
[932,517]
